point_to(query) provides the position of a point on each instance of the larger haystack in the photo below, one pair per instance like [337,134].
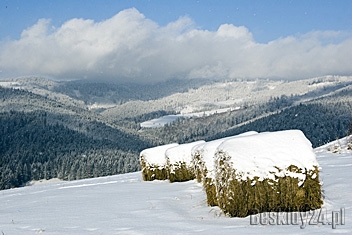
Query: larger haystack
[203,161]
[153,162]
[179,161]
[274,171]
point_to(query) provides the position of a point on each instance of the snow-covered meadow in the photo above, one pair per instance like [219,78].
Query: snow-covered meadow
[125,204]
[162,121]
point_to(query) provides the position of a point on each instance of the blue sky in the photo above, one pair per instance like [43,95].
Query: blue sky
[132,39]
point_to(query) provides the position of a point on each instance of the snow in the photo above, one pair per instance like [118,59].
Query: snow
[156,155]
[182,152]
[125,204]
[207,151]
[267,155]
[43,181]
[322,84]
[100,106]
[9,84]
[337,146]
[162,121]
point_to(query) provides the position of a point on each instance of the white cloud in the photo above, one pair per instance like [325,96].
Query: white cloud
[129,46]
[37,31]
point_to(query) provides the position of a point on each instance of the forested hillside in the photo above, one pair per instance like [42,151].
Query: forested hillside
[321,123]
[115,93]
[31,150]
[41,138]
[322,120]
[49,129]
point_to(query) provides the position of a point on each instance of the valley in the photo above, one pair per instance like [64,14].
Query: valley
[96,129]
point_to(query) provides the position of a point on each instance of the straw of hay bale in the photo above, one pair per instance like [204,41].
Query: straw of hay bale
[267,172]
[204,164]
[153,162]
[203,159]
[179,160]
[197,162]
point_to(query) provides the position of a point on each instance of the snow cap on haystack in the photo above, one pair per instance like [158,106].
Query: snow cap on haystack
[179,161]
[207,153]
[270,171]
[204,165]
[153,162]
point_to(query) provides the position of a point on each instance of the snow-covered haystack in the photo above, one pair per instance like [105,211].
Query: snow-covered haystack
[179,160]
[197,161]
[204,165]
[153,162]
[270,171]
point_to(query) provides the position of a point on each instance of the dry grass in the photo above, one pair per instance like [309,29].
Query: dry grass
[201,171]
[210,190]
[239,198]
[180,172]
[198,166]
[152,172]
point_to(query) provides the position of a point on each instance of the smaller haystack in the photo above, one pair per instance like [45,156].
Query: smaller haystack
[179,160]
[266,172]
[203,160]
[153,162]
[203,165]
[197,162]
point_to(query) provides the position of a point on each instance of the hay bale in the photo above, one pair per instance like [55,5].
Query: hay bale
[179,160]
[153,162]
[204,164]
[274,171]
[197,162]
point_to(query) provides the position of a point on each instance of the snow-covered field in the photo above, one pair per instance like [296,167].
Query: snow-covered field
[162,121]
[124,204]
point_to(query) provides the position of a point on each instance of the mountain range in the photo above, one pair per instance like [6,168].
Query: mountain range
[84,128]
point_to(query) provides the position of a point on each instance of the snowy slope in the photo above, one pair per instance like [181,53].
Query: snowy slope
[162,121]
[223,95]
[124,204]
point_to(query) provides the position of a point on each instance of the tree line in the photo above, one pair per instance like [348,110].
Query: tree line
[31,149]
[321,120]
[50,139]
